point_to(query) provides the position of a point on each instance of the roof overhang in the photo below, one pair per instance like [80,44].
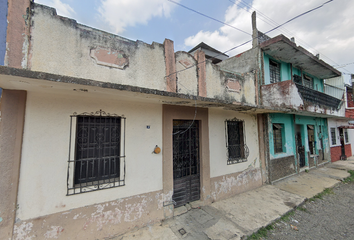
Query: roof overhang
[283,49]
[32,81]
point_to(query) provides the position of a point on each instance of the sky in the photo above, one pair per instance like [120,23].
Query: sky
[328,30]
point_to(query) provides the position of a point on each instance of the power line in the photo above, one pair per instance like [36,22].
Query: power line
[204,15]
[242,44]
[271,22]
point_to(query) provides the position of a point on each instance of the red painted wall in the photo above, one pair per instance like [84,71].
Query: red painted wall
[336,152]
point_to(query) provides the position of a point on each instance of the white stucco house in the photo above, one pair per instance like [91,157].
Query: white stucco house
[100,134]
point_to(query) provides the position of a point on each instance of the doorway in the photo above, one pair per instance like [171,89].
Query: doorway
[186,162]
[299,145]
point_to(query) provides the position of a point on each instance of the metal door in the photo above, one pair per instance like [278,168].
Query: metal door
[186,169]
[300,147]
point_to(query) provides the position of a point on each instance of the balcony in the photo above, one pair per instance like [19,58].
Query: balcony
[289,95]
[318,98]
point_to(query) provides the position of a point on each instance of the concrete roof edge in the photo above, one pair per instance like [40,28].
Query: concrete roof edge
[281,37]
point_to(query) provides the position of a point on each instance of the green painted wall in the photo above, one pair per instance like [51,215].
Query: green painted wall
[285,73]
[289,133]
[289,141]
[285,69]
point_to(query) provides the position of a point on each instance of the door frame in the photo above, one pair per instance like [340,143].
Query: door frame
[169,113]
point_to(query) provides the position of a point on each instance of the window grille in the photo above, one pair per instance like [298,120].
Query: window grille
[346,137]
[333,136]
[96,152]
[297,79]
[278,138]
[237,150]
[308,82]
[274,71]
[311,138]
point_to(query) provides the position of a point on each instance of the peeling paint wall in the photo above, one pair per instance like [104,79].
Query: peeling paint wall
[231,184]
[218,150]
[241,63]
[218,85]
[281,95]
[187,78]
[62,46]
[96,221]
[285,95]
[43,172]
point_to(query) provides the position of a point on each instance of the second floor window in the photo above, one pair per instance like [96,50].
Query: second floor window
[333,136]
[308,82]
[274,71]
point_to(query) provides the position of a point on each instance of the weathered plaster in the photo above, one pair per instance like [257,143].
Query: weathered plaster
[231,184]
[43,181]
[17,33]
[96,221]
[13,104]
[74,58]
[187,74]
[202,88]
[170,61]
[218,150]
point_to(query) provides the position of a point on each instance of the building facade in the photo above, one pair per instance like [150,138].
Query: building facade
[104,134]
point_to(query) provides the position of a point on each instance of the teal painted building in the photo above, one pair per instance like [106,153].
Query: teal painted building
[292,80]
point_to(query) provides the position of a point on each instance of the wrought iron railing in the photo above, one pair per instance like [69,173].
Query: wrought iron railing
[237,153]
[316,97]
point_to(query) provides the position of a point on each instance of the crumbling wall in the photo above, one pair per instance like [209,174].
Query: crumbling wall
[242,63]
[230,86]
[98,221]
[62,46]
[187,78]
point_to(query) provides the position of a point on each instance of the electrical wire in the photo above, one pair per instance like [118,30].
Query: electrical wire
[204,15]
[271,22]
[242,44]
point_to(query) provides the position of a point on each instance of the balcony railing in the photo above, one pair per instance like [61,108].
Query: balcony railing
[316,97]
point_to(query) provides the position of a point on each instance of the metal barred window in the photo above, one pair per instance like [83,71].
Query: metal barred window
[308,81]
[96,152]
[274,71]
[346,136]
[237,150]
[333,136]
[278,137]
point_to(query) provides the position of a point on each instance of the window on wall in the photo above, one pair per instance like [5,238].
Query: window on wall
[311,138]
[237,150]
[333,136]
[98,152]
[278,137]
[346,136]
[274,70]
[308,81]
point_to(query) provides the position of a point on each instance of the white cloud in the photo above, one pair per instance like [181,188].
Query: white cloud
[120,14]
[327,30]
[63,9]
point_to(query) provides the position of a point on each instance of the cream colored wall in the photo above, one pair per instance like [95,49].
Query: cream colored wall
[218,151]
[61,46]
[43,173]
[216,86]
[187,81]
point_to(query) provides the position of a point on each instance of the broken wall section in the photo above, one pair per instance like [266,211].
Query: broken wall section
[62,46]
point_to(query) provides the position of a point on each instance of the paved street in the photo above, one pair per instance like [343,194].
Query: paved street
[329,218]
[240,216]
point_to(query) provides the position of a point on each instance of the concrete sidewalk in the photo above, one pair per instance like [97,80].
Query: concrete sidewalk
[245,213]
